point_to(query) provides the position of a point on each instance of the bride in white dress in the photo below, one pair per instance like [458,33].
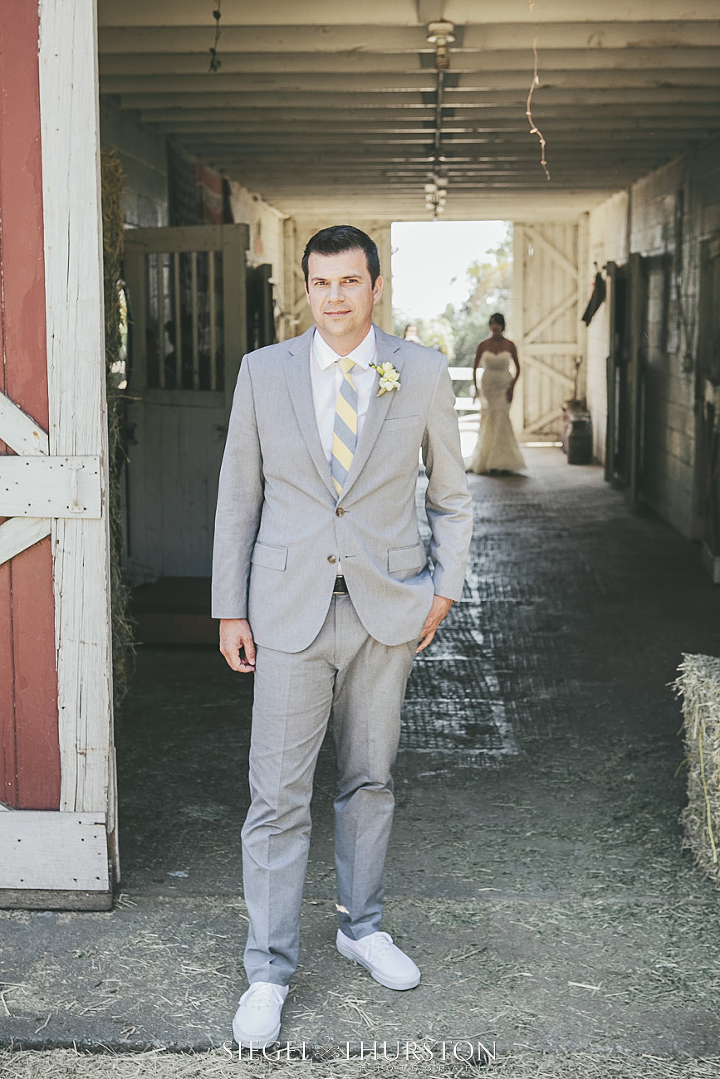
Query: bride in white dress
[497,448]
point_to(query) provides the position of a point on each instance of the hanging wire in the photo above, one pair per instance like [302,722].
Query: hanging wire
[534,129]
[215,62]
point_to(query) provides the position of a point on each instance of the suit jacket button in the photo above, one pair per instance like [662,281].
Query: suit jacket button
[332,558]
[339,511]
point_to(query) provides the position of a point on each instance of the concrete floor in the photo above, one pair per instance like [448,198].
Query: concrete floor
[536,871]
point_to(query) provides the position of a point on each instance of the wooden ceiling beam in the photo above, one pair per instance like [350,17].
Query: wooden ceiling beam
[345,164]
[560,166]
[569,136]
[458,100]
[529,182]
[402,120]
[306,175]
[312,171]
[378,13]
[451,151]
[487,83]
[128,65]
[564,201]
[353,195]
[496,147]
[532,174]
[313,103]
[594,37]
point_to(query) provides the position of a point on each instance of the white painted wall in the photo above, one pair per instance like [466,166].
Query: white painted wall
[266,225]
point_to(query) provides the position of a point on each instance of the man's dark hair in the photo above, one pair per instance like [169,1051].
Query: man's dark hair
[499,318]
[338,238]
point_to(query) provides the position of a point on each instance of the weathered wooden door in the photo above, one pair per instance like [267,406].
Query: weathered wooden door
[188,336]
[637,362]
[707,395]
[546,324]
[58,831]
[616,457]
[626,367]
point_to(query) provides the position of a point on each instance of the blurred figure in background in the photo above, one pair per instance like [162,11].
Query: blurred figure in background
[497,449]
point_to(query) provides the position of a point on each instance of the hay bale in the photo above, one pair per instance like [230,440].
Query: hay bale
[123,649]
[699,686]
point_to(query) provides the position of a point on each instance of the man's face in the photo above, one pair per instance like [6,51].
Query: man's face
[342,297]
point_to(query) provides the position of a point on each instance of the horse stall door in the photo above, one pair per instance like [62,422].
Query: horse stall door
[187,295]
[546,324]
[618,403]
[260,307]
[637,366]
[706,525]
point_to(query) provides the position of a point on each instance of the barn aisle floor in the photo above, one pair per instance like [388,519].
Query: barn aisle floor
[536,870]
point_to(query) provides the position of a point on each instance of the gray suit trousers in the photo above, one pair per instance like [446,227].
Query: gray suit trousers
[348,674]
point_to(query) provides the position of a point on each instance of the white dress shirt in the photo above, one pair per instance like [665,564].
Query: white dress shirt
[326,377]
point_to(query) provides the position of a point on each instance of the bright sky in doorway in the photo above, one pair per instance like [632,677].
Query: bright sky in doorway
[430,259]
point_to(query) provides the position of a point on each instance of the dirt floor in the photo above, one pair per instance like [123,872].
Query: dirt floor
[536,871]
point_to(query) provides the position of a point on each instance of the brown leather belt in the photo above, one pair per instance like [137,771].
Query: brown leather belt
[340,588]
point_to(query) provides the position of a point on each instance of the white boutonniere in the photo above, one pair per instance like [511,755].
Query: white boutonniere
[389,377]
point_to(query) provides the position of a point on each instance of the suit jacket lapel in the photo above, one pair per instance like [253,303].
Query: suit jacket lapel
[387,352]
[297,375]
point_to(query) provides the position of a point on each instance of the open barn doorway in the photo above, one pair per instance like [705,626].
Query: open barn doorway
[450,277]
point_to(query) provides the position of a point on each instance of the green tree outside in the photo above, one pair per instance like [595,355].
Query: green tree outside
[458,330]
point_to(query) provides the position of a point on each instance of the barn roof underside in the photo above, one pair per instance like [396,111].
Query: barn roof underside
[319,106]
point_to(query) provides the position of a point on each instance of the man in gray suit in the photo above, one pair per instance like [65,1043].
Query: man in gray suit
[324,590]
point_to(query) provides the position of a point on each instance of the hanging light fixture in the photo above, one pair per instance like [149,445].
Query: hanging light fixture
[439,34]
[436,194]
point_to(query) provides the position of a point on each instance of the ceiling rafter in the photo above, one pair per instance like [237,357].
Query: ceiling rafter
[306,93]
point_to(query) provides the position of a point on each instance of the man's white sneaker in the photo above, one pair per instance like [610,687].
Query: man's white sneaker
[257,1020]
[377,953]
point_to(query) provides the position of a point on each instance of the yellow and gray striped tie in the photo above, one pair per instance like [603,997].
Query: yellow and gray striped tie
[345,430]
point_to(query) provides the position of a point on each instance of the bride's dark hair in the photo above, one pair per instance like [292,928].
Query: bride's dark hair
[500,319]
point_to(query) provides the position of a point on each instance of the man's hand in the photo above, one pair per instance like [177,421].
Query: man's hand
[440,607]
[237,644]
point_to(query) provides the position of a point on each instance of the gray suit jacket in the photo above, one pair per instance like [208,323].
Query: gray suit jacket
[280,528]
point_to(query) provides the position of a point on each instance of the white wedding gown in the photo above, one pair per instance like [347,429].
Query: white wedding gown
[497,448]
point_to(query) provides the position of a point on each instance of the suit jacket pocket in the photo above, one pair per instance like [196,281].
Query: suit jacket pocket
[264,554]
[413,557]
[399,423]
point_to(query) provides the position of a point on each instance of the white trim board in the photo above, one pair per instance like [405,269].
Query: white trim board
[76,391]
[49,850]
[19,533]
[19,431]
[50,487]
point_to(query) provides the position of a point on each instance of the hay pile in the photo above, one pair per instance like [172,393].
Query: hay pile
[699,687]
[223,1064]
[123,652]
